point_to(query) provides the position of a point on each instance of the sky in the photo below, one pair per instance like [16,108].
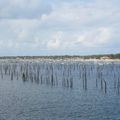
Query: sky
[59,27]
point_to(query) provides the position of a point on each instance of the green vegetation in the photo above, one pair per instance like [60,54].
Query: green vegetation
[109,56]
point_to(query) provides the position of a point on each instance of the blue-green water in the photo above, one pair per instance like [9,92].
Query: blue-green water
[52,99]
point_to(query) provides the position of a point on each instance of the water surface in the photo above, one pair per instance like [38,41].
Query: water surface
[59,90]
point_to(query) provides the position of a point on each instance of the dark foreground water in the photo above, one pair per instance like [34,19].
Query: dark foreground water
[59,91]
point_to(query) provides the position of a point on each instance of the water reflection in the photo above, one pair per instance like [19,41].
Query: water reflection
[85,75]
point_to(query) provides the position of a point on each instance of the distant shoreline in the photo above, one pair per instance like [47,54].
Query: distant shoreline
[63,60]
[106,57]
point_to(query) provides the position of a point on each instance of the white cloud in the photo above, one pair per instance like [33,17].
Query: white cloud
[56,41]
[80,14]
[32,24]
[98,37]
[53,44]
[23,9]
[23,35]
[95,38]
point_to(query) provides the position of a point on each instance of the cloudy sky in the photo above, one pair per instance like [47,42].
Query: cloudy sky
[59,27]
